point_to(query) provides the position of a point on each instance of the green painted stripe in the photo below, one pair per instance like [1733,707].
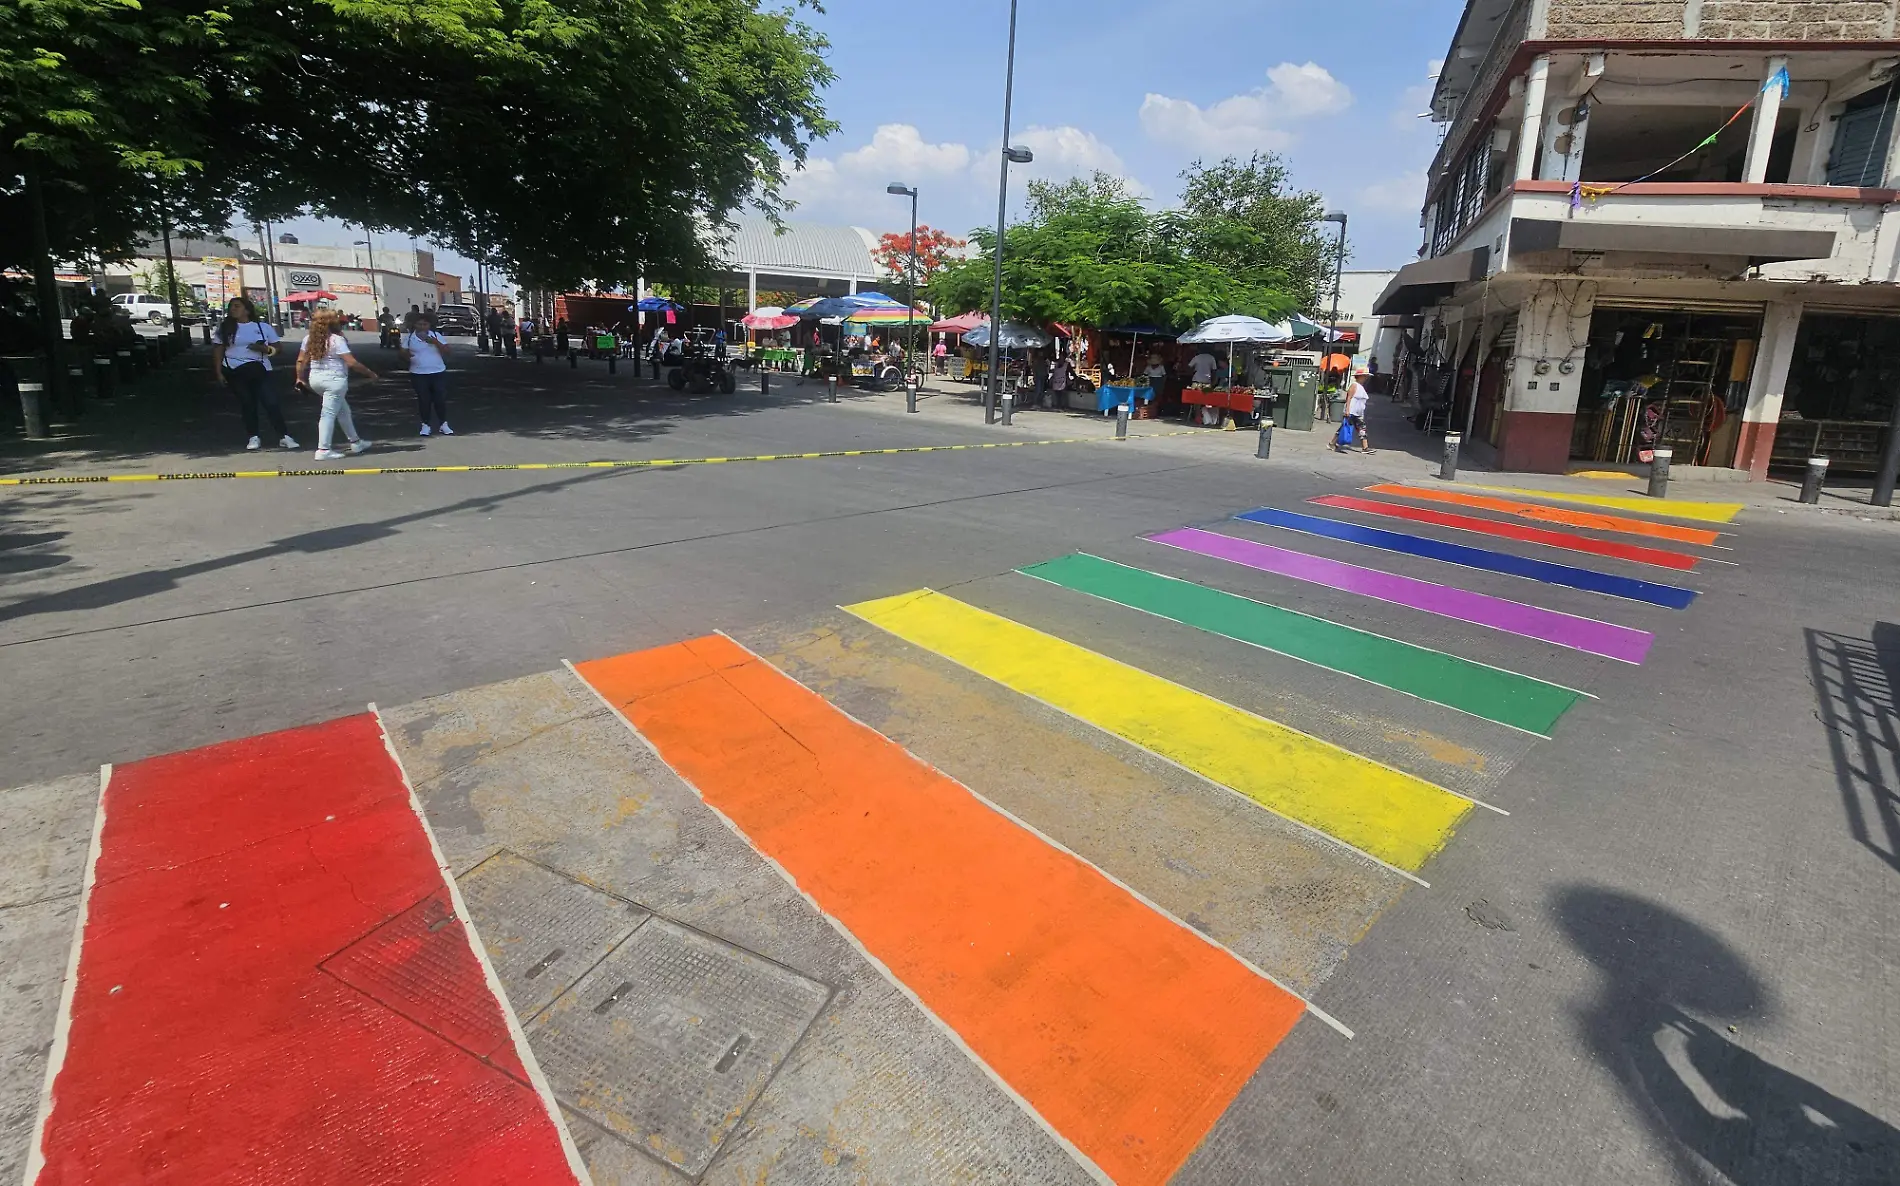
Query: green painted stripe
[1489,692]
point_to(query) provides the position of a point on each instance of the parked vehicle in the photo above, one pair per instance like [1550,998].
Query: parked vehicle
[145,306]
[456,319]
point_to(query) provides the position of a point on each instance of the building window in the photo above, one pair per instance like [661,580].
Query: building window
[1861,136]
[1469,184]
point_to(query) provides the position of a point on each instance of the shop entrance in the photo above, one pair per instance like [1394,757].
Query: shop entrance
[1841,390]
[1664,378]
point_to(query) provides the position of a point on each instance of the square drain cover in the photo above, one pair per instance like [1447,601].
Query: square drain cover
[420,964]
[542,929]
[672,1037]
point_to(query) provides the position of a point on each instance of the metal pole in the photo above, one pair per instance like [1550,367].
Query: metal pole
[1264,446]
[765,380]
[46,290]
[992,384]
[910,394]
[1448,467]
[1339,264]
[1121,421]
[831,389]
[1812,481]
[910,298]
[171,271]
[270,275]
[1659,473]
[1009,408]
[369,241]
[1889,462]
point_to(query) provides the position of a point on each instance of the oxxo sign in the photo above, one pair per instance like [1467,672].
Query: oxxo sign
[305,281]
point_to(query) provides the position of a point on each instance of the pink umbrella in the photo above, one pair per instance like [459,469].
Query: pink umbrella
[298,298]
[767,317]
[961,324]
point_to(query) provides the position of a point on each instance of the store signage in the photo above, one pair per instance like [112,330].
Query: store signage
[359,288]
[305,281]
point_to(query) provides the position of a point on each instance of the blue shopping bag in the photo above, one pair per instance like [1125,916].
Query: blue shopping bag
[1344,436]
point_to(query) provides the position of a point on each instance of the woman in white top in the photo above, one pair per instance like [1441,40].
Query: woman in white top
[241,357]
[428,373]
[324,365]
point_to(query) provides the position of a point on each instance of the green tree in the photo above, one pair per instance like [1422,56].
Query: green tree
[1249,218]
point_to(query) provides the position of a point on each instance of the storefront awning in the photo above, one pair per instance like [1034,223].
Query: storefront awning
[1420,284]
[1760,244]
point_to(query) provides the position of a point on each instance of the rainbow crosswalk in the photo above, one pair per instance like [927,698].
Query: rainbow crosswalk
[1124,1030]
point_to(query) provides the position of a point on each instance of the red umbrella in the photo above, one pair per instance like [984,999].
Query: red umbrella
[962,324]
[769,319]
[299,298]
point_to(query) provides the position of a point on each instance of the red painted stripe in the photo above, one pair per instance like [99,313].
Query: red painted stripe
[1635,553]
[208,1045]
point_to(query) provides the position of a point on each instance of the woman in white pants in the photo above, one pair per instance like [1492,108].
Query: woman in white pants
[324,365]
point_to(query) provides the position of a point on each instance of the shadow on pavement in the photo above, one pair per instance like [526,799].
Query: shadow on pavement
[1855,681]
[134,586]
[1726,1114]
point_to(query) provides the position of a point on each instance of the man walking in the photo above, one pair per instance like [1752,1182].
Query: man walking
[1355,416]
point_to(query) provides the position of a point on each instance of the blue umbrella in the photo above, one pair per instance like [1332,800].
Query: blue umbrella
[844,306]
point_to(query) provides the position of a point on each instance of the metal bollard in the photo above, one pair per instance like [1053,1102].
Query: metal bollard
[1659,473]
[33,408]
[123,361]
[102,377]
[831,389]
[613,364]
[765,381]
[538,352]
[1264,446]
[910,397]
[1121,422]
[1448,467]
[1814,479]
[573,359]
[1009,408]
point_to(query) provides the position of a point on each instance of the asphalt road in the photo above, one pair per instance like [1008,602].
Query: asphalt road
[1672,962]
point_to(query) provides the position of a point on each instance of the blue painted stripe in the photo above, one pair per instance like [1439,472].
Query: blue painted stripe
[1518,566]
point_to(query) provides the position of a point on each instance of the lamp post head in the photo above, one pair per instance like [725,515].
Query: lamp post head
[1018,154]
[900,189]
[1338,216]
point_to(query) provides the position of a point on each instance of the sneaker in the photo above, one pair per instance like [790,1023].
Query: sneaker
[445,430]
[328,455]
[253,445]
[359,446]
[425,430]
[287,443]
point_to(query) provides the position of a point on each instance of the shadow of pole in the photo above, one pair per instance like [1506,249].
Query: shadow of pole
[1725,1114]
[1855,681]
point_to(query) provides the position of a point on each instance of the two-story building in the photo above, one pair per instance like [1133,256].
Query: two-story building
[1664,223]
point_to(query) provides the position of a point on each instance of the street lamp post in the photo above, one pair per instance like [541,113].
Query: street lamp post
[910,296]
[374,299]
[1339,263]
[1021,156]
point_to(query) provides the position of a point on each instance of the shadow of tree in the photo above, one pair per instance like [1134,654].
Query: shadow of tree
[1854,682]
[1726,1114]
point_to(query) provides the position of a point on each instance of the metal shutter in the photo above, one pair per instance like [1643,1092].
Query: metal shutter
[1860,139]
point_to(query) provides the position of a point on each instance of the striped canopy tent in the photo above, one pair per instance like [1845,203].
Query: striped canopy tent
[894,314]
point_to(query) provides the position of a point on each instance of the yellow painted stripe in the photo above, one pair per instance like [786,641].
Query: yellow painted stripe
[90,479]
[1400,819]
[1667,508]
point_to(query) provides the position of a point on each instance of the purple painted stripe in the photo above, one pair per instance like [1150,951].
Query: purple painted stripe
[1513,617]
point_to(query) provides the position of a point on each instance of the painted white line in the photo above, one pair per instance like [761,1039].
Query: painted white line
[63,1020]
[1060,847]
[1081,1159]
[515,1033]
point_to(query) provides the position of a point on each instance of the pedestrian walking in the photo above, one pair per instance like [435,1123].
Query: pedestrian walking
[940,356]
[323,368]
[428,373]
[1354,418]
[240,356]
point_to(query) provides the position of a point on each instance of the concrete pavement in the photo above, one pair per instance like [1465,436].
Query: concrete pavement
[1664,964]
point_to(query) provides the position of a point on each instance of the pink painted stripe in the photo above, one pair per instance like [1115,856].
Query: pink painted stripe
[1512,617]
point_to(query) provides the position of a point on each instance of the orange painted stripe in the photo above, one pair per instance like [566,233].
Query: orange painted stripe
[1544,514]
[1128,1034]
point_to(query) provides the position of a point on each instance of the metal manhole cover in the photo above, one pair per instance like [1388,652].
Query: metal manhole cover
[420,964]
[542,929]
[671,1038]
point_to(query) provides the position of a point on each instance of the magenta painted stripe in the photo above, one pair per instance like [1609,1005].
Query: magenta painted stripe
[1513,617]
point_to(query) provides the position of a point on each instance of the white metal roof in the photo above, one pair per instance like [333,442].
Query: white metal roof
[804,249]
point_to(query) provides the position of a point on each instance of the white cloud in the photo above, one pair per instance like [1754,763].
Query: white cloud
[850,186]
[1263,118]
[901,151]
[1068,151]
[1403,194]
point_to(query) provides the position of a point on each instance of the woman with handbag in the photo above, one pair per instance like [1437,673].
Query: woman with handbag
[241,357]
[323,368]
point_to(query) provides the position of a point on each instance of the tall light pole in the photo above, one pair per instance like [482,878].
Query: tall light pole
[910,296]
[1339,263]
[373,298]
[991,387]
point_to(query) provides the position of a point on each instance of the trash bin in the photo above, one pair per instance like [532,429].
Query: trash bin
[1295,384]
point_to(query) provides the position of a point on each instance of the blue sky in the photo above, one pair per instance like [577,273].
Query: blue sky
[1139,89]
[1136,89]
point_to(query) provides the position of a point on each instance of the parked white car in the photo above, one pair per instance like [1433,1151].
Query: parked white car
[145,306]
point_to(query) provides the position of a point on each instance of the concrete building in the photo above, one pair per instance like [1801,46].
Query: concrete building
[1663,223]
[217,269]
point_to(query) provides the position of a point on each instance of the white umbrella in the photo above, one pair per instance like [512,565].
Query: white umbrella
[1236,328]
[1013,337]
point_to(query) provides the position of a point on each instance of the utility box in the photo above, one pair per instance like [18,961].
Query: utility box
[1296,388]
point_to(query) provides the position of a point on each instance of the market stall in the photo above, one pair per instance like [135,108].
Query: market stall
[1216,402]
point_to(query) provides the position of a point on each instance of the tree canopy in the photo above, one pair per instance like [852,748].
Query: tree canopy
[1089,251]
[558,139]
